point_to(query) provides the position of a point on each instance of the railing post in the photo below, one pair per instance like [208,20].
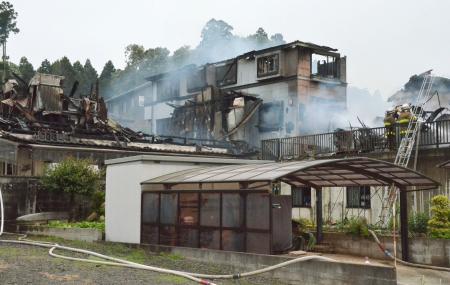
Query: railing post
[279,148]
[437,133]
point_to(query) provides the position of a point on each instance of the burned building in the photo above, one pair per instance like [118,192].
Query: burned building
[41,126]
[257,95]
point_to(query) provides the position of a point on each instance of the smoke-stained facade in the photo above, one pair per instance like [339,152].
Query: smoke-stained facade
[274,92]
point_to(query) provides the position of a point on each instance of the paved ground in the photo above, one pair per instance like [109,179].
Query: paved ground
[405,275]
[22,264]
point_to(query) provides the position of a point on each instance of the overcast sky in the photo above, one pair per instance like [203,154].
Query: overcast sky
[385,41]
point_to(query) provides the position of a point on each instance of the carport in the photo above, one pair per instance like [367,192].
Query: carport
[317,174]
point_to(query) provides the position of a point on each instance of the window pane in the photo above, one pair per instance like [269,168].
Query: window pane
[189,209]
[150,208]
[168,235]
[232,210]
[232,240]
[210,210]
[365,197]
[149,234]
[258,243]
[210,239]
[168,208]
[258,211]
[301,196]
[188,237]
[353,196]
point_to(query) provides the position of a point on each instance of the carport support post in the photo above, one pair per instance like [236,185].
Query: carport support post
[319,220]
[404,222]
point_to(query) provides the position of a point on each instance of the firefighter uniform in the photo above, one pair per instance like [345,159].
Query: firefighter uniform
[389,125]
[404,118]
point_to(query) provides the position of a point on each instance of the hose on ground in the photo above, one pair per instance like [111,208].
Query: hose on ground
[125,263]
[389,254]
[196,277]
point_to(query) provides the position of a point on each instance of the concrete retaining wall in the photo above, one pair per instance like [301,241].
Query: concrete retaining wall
[69,234]
[421,250]
[310,272]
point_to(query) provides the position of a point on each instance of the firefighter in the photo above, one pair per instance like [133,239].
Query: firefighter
[389,126]
[404,118]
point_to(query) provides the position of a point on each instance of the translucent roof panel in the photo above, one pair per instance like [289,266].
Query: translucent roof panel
[326,172]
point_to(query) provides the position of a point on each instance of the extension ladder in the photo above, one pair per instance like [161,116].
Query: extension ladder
[407,143]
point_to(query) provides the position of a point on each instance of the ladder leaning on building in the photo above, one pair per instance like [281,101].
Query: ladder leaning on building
[407,143]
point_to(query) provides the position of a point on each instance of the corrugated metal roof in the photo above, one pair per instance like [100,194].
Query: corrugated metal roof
[316,173]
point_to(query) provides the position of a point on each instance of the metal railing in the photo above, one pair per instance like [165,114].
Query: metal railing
[432,135]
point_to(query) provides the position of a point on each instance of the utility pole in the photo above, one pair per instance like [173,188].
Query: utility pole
[4,62]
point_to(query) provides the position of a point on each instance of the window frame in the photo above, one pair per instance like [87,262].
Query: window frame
[363,192]
[264,108]
[242,228]
[260,74]
[200,75]
[232,68]
[302,202]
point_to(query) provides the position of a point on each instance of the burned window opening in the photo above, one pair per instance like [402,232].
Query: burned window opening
[167,88]
[324,66]
[226,74]
[271,116]
[268,65]
[196,80]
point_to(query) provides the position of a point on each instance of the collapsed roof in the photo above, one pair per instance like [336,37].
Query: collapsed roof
[40,112]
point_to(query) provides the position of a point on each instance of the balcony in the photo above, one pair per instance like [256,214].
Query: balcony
[352,142]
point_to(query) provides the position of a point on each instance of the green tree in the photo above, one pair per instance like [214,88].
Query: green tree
[64,68]
[277,39]
[8,25]
[134,54]
[46,67]
[90,77]
[72,176]
[439,224]
[260,37]
[107,71]
[106,77]
[181,56]
[216,31]
[26,69]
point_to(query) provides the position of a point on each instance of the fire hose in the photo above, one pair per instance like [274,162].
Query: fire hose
[389,254]
[113,261]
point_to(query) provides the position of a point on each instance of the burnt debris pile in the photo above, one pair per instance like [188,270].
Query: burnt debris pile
[41,107]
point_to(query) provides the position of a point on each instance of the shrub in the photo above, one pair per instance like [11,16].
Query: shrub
[357,227]
[73,176]
[439,224]
[83,225]
[304,224]
[418,223]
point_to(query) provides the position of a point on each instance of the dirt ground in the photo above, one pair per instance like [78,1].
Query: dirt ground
[22,264]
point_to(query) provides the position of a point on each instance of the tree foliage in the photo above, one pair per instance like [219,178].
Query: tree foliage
[217,43]
[26,69]
[46,67]
[439,224]
[107,71]
[74,176]
[418,223]
[8,23]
